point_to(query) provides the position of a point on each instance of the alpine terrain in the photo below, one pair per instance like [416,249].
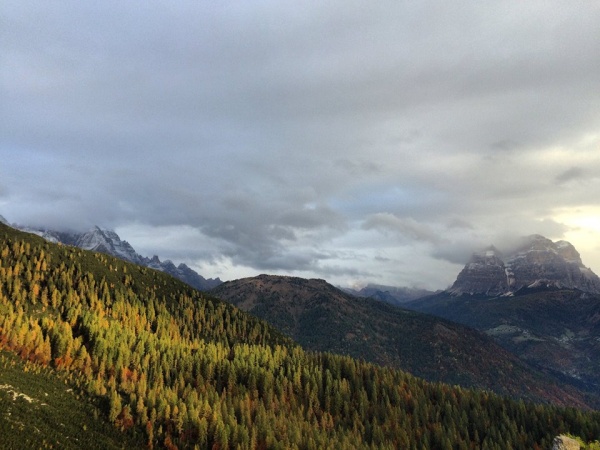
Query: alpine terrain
[107,241]
[389,294]
[538,301]
[536,262]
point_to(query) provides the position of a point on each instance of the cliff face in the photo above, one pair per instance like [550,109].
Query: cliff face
[536,262]
[484,274]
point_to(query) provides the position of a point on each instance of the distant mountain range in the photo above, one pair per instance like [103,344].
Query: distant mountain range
[97,352]
[323,318]
[107,241]
[390,294]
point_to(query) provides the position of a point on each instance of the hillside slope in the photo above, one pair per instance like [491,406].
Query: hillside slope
[557,330]
[323,318]
[38,410]
[183,370]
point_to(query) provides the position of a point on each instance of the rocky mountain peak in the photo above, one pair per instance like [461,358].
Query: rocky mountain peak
[537,261]
[568,252]
[485,273]
[107,241]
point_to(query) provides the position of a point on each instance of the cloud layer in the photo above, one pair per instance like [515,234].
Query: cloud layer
[353,141]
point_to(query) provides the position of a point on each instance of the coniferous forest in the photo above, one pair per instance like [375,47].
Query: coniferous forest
[165,366]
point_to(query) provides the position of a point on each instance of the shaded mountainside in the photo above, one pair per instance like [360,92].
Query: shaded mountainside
[321,317]
[557,330]
[109,242]
[179,369]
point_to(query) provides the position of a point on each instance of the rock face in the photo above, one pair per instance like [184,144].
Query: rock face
[484,274]
[98,240]
[565,443]
[537,262]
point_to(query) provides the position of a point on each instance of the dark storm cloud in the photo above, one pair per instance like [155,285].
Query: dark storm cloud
[299,136]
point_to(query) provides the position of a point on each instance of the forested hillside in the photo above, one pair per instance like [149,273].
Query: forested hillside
[183,370]
[321,317]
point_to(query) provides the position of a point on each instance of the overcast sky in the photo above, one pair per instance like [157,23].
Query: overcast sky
[353,141]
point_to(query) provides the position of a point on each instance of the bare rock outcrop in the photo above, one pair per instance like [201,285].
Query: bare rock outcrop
[563,442]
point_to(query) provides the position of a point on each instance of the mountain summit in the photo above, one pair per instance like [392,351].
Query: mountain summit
[536,262]
[98,240]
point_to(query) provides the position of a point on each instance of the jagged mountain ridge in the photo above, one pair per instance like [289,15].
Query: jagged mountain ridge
[536,262]
[107,241]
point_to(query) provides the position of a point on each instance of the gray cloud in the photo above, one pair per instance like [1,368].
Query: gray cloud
[408,228]
[313,217]
[337,138]
[458,252]
[573,173]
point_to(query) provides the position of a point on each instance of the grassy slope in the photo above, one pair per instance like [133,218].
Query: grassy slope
[39,409]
